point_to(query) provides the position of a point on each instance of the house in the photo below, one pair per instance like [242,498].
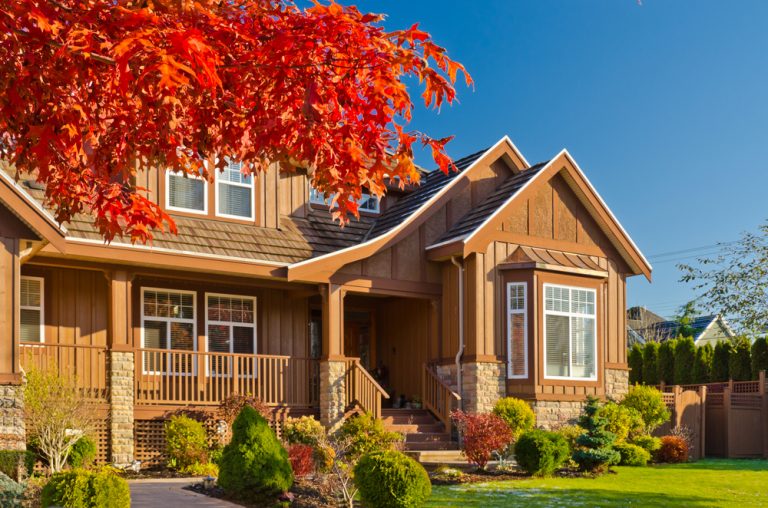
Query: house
[709,329]
[503,278]
[639,318]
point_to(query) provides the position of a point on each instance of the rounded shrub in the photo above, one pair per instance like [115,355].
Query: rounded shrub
[302,459]
[254,462]
[79,488]
[305,430]
[185,441]
[647,401]
[651,444]
[635,361]
[570,433]
[516,413]
[621,420]
[390,479]
[673,449]
[632,455]
[367,434]
[651,363]
[540,452]
[83,453]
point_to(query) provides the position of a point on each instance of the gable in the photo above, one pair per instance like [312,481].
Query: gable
[12,227]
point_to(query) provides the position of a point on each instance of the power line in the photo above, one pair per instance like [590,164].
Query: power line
[717,246]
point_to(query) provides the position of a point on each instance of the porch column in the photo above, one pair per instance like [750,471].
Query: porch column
[332,365]
[12,429]
[121,369]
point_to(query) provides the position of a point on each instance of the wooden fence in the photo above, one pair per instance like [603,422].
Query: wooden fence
[84,365]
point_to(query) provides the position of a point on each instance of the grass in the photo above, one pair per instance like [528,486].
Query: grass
[711,482]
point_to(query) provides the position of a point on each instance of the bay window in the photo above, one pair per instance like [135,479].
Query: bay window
[168,322]
[517,331]
[234,192]
[570,332]
[31,310]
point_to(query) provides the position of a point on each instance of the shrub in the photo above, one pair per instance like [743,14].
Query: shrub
[230,407]
[540,452]
[635,361]
[305,430]
[254,461]
[390,479]
[11,492]
[79,488]
[740,361]
[185,441]
[673,449]
[516,413]
[632,455]
[302,460]
[650,363]
[651,444]
[647,401]
[759,356]
[204,469]
[570,433]
[596,453]
[83,453]
[366,434]
[482,434]
[702,366]
[685,354]
[666,365]
[11,460]
[622,421]
[721,361]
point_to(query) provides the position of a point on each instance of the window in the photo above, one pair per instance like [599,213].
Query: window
[186,193]
[32,327]
[570,332]
[234,192]
[367,203]
[231,328]
[517,331]
[168,322]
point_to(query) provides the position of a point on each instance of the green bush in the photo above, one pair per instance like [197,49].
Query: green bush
[540,452]
[596,453]
[740,361]
[390,479]
[82,453]
[11,492]
[205,469]
[702,366]
[632,455]
[685,355]
[516,413]
[366,434]
[648,443]
[647,401]
[622,421]
[721,361]
[79,488]
[305,430]
[666,365]
[650,363]
[759,356]
[10,460]
[570,433]
[254,462]
[635,361]
[185,441]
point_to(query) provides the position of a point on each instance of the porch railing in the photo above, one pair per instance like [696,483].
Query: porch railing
[438,397]
[86,365]
[362,389]
[202,378]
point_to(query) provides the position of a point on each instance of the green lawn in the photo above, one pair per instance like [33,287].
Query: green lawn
[711,482]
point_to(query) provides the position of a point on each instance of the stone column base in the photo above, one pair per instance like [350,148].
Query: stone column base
[551,414]
[332,393]
[483,384]
[13,434]
[121,373]
[616,383]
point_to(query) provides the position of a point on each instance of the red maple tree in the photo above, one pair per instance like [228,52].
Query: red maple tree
[94,91]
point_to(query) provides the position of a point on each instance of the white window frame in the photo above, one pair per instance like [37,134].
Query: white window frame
[180,174]
[524,312]
[231,324]
[168,321]
[41,280]
[250,186]
[570,334]
[316,198]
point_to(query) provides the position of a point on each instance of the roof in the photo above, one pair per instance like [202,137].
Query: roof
[524,255]
[666,330]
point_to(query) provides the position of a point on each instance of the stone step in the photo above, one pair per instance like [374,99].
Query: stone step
[405,428]
[407,418]
[431,446]
[427,437]
[436,457]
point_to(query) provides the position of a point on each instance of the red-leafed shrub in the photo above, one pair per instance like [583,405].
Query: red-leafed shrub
[673,449]
[302,459]
[482,434]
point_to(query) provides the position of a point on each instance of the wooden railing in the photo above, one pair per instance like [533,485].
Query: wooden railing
[438,397]
[84,364]
[361,389]
[200,378]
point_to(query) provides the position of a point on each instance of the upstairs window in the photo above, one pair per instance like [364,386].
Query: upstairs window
[31,308]
[168,323]
[231,328]
[186,193]
[570,333]
[234,192]
[367,203]
[517,331]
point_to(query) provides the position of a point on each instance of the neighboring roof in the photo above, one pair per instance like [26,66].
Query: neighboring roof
[634,338]
[666,330]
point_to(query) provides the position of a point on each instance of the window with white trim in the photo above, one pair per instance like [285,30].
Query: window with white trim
[231,328]
[168,322]
[517,331]
[570,332]
[234,192]
[186,193]
[31,309]
[367,202]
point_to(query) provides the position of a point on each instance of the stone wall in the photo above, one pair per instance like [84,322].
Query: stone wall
[616,383]
[332,393]
[13,434]
[551,414]
[483,384]
[121,372]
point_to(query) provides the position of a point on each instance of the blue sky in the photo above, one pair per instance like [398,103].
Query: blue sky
[664,105]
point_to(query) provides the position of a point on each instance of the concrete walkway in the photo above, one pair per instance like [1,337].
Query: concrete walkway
[170,493]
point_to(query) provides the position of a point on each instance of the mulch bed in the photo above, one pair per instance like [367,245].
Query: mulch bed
[478,476]
[154,473]
[306,492]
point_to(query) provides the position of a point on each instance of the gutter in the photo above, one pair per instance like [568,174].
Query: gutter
[460,353]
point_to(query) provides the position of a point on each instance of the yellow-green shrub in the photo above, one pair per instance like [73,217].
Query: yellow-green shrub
[185,441]
[516,413]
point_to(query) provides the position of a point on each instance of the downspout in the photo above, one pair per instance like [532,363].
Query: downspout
[459,354]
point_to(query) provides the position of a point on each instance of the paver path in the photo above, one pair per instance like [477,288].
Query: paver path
[170,493]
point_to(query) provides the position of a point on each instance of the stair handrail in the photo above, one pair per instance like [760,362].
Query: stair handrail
[363,389]
[438,397]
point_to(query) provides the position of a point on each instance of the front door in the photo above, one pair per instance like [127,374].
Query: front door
[358,337]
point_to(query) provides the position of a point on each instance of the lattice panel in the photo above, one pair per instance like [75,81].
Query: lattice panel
[149,447]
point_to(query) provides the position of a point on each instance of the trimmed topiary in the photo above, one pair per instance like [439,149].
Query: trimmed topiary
[702,366]
[83,453]
[721,362]
[647,401]
[79,488]
[540,453]
[667,361]
[390,479]
[185,441]
[596,453]
[254,463]
[685,354]
[635,361]
[650,363]
[759,356]
[632,455]
[516,413]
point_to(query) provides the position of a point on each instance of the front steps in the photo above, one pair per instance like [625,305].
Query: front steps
[425,436]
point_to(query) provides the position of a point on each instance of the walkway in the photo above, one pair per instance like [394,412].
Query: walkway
[170,493]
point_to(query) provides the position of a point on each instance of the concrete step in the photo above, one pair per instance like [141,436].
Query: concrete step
[416,427]
[427,437]
[436,457]
[431,446]
[407,418]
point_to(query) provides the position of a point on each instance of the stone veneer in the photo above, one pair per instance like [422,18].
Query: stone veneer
[121,374]
[332,393]
[13,434]
[616,383]
[551,414]
[483,384]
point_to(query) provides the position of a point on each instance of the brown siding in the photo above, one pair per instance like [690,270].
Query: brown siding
[12,227]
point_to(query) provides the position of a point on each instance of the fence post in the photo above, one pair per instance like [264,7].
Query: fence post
[763,412]
[703,427]
[662,385]
[678,416]
[727,418]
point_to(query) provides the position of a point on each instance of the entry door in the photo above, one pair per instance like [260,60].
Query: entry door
[358,337]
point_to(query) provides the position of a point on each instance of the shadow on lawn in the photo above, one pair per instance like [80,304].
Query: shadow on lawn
[724,465]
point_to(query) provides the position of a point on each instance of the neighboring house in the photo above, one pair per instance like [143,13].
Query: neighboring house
[706,330]
[639,318]
[514,272]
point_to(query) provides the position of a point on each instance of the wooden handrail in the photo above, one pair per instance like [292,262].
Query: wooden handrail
[438,397]
[360,388]
[85,364]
